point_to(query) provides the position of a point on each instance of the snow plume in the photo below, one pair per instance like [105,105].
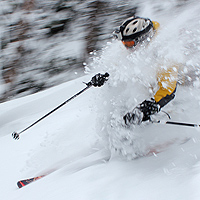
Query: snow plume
[133,79]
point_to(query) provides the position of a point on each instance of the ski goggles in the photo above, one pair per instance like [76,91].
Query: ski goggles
[129,44]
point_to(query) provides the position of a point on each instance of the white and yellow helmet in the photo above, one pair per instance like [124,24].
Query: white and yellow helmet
[134,30]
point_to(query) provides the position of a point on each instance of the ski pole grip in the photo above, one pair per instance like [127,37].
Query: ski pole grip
[98,80]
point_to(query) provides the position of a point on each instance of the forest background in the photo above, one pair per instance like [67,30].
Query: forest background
[45,43]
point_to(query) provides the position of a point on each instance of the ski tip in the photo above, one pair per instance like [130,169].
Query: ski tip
[20,184]
[25,182]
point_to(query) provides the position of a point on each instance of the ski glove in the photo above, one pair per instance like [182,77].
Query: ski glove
[135,117]
[99,79]
[142,112]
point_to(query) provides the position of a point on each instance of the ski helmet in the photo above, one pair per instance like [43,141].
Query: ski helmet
[134,30]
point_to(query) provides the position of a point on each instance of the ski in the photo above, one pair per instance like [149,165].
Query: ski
[98,157]
[25,182]
[162,147]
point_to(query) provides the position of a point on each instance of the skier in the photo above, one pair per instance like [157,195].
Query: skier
[135,32]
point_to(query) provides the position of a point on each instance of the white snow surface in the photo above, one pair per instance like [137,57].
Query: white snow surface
[75,145]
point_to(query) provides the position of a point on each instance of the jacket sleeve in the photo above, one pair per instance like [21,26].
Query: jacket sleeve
[167,81]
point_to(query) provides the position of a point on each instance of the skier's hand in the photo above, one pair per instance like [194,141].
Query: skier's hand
[149,107]
[99,79]
[135,117]
[142,112]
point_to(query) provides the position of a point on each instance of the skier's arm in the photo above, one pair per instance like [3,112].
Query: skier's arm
[167,81]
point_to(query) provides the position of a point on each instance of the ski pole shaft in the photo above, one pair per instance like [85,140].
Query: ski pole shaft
[103,79]
[180,123]
[16,135]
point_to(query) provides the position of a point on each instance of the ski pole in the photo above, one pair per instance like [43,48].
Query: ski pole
[178,123]
[15,135]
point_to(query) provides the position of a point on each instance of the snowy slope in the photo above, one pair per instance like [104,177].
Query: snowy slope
[67,142]
[74,142]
